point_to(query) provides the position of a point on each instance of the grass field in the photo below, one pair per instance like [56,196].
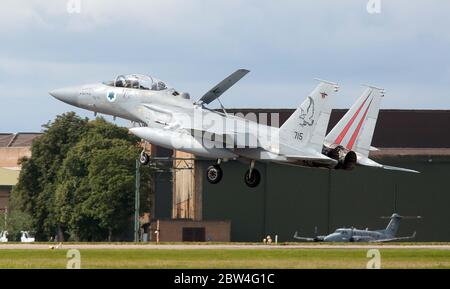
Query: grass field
[226,258]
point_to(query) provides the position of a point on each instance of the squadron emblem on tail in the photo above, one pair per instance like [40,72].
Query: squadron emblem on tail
[306,117]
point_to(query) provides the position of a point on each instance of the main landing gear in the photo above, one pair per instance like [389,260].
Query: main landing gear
[252,177]
[214,173]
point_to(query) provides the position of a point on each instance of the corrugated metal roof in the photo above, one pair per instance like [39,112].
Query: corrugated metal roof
[21,139]
[8,177]
[5,139]
[395,128]
[408,128]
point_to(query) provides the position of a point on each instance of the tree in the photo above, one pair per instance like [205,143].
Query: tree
[96,194]
[83,184]
[37,180]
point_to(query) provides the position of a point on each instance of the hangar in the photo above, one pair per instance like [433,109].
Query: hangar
[317,201]
[13,146]
[289,199]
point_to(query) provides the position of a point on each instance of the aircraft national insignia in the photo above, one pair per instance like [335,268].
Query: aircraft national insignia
[111,96]
[306,117]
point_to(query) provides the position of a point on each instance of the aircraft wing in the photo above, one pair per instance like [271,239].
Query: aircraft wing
[176,120]
[223,86]
[308,239]
[361,239]
[397,239]
[293,154]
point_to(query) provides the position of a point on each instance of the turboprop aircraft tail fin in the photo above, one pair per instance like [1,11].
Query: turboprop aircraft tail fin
[306,127]
[392,227]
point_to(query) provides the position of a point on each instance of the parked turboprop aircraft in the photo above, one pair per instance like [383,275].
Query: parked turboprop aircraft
[355,235]
[171,119]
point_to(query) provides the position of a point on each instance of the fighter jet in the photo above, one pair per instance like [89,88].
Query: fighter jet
[355,235]
[349,142]
[171,119]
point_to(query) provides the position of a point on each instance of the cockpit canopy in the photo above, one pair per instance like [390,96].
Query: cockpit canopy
[138,81]
[342,231]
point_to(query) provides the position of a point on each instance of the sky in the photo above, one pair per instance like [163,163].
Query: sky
[401,45]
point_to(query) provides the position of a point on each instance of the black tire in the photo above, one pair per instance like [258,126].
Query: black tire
[253,180]
[214,174]
[144,159]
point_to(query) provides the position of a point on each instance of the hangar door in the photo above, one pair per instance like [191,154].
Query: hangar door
[194,234]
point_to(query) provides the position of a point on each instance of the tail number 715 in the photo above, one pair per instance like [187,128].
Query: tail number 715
[298,135]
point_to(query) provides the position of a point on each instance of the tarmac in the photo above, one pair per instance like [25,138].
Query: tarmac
[153,246]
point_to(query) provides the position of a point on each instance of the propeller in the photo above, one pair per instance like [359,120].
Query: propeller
[351,239]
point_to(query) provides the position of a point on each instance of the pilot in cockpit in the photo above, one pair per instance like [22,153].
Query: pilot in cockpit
[158,85]
[142,82]
[119,83]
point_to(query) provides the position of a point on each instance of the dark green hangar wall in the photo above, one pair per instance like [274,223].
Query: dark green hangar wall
[293,199]
[311,201]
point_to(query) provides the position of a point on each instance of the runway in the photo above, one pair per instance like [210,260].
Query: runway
[100,246]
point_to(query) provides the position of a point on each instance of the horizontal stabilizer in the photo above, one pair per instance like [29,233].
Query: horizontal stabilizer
[307,239]
[366,162]
[400,169]
[397,239]
[223,86]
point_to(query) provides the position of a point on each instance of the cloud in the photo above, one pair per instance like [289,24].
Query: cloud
[193,44]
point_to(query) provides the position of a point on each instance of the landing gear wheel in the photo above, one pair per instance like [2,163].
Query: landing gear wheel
[252,180]
[144,159]
[214,174]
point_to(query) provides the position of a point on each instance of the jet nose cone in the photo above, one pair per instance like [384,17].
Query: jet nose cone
[54,93]
[66,94]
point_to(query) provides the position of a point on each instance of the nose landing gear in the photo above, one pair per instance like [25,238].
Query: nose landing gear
[144,158]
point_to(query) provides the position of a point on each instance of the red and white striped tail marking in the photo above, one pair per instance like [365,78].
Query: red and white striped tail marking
[350,123]
[358,128]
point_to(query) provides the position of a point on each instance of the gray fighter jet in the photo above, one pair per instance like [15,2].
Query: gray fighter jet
[356,235]
[171,119]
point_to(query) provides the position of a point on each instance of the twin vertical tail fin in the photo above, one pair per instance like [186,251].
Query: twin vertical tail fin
[306,127]
[355,130]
